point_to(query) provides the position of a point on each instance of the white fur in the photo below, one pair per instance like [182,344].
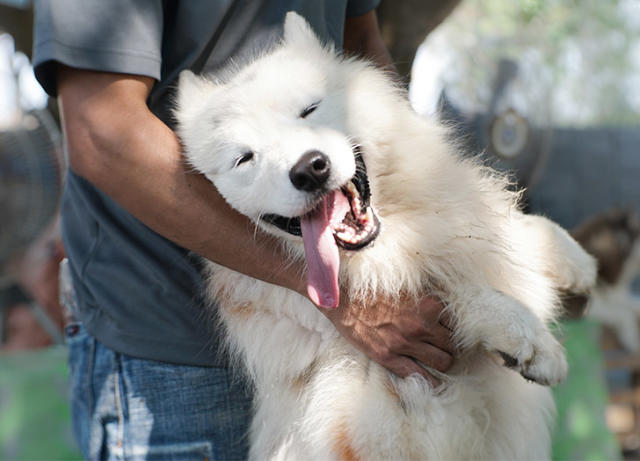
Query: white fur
[449,226]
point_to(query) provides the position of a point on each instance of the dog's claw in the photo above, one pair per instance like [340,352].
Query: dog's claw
[544,367]
[513,364]
[509,361]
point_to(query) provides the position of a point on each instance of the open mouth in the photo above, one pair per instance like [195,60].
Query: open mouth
[360,225]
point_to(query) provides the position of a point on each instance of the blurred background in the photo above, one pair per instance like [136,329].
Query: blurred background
[548,90]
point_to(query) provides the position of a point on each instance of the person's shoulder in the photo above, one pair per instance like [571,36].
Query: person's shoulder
[116,36]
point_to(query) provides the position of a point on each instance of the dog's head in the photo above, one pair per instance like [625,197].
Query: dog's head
[274,138]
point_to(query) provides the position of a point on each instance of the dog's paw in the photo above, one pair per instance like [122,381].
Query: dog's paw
[575,277]
[542,361]
[575,271]
[578,275]
[565,262]
[504,326]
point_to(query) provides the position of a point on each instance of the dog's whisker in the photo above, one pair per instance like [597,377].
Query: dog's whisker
[256,229]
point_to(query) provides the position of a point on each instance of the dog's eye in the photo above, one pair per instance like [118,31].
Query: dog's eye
[309,109]
[244,158]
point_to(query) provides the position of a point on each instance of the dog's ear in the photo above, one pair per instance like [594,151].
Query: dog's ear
[298,31]
[192,93]
[191,88]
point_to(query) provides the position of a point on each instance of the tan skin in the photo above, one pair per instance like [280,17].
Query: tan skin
[116,143]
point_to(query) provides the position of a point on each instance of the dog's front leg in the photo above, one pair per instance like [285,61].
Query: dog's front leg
[504,326]
[564,261]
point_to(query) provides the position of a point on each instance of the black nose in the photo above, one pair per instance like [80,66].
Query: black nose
[311,172]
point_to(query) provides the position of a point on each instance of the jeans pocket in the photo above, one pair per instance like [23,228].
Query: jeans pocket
[80,361]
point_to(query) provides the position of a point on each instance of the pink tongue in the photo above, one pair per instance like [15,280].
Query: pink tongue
[321,251]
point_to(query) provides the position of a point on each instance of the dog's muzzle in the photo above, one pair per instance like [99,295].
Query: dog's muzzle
[360,226]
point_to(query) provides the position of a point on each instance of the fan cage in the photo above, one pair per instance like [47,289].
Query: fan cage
[31,174]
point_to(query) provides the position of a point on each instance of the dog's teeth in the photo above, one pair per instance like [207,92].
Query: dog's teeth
[346,234]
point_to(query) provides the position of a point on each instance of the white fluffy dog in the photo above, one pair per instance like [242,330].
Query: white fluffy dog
[304,141]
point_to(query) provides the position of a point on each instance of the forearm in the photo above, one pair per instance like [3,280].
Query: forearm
[136,159]
[362,38]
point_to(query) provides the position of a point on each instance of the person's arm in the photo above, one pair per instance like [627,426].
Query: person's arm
[116,143]
[362,38]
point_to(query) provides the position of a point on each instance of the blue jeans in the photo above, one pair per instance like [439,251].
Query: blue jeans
[127,408]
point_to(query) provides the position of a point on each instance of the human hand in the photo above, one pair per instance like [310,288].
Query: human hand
[398,334]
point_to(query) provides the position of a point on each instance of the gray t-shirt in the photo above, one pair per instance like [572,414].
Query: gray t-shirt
[137,292]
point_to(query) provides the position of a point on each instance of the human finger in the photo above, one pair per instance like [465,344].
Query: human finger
[437,325]
[432,356]
[405,366]
[412,331]
[446,320]
[437,354]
